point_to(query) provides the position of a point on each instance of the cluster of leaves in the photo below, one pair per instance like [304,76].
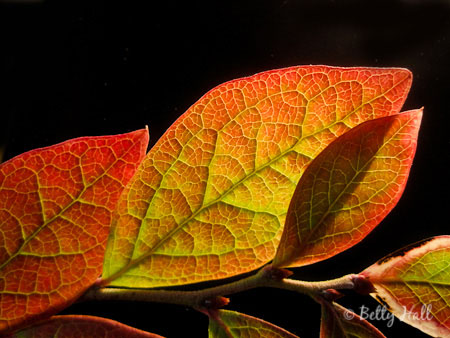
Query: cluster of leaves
[291,166]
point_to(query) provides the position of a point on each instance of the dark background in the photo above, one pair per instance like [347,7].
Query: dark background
[92,68]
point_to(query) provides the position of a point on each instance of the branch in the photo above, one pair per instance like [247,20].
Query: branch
[210,297]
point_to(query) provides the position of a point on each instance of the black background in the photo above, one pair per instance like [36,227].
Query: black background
[93,68]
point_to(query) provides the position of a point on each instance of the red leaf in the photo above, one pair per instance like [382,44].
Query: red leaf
[339,322]
[56,206]
[82,327]
[348,189]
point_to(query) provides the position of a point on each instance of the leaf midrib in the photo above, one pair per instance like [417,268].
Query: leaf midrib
[138,260]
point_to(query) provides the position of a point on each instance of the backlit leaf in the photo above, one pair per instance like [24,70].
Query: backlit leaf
[56,206]
[230,324]
[348,189]
[339,322]
[211,197]
[414,284]
[81,327]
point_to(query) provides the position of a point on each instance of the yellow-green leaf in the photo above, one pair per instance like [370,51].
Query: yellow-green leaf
[230,324]
[414,284]
[74,326]
[210,199]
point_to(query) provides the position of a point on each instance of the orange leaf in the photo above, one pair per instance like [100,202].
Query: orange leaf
[348,189]
[339,322]
[230,324]
[211,197]
[414,284]
[81,327]
[56,206]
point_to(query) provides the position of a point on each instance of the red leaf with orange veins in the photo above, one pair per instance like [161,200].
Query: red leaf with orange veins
[339,322]
[81,327]
[414,284]
[348,189]
[211,197]
[56,206]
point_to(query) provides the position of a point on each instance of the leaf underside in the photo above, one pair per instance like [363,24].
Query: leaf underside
[56,205]
[230,324]
[73,326]
[348,189]
[210,199]
[414,283]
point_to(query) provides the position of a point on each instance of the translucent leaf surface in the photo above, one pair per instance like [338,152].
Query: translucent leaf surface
[348,189]
[230,324]
[81,327]
[56,206]
[339,322]
[414,284]
[211,197]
